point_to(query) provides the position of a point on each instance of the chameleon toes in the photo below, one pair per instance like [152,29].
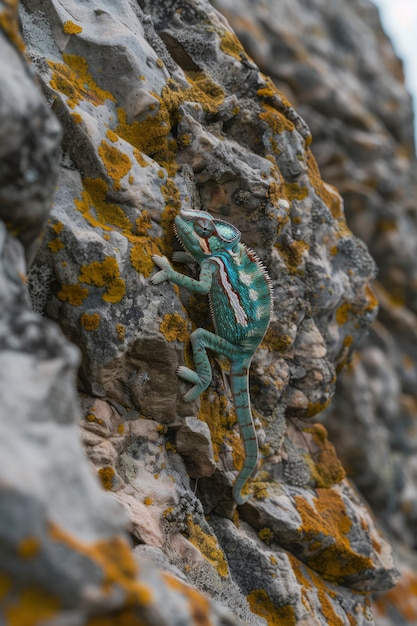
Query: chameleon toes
[189,375]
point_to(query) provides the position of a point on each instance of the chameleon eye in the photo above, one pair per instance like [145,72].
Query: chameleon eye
[204,228]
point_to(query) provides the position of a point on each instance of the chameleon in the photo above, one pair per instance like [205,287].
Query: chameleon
[240,298]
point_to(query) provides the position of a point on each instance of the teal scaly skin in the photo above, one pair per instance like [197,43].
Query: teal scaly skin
[240,295]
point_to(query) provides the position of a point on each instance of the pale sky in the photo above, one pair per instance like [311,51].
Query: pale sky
[399,19]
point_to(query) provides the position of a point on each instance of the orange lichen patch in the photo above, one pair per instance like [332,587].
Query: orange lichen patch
[314,408]
[90,322]
[329,519]
[121,331]
[324,465]
[77,118]
[403,597]
[115,558]
[207,545]
[73,294]
[219,416]
[5,585]
[112,136]
[327,193]
[293,254]
[72,79]
[294,191]
[266,535]
[152,136]
[32,606]
[55,245]
[198,604]
[276,120]
[9,23]
[70,28]
[116,162]
[97,210]
[116,289]
[28,548]
[372,300]
[261,604]
[347,341]
[342,313]
[279,343]
[174,327]
[104,273]
[143,223]
[308,580]
[141,255]
[57,227]
[106,475]
[231,45]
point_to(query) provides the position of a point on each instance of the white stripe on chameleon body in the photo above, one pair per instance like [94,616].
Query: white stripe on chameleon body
[233,298]
[253,295]
[245,278]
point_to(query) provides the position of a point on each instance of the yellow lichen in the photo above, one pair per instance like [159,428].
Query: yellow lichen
[112,136]
[329,519]
[57,227]
[116,162]
[143,223]
[174,327]
[324,465]
[76,117]
[28,548]
[9,24]
[55,245]
[261,604]
[141,255]
[113,555]
[97,210]
[266,535]
[231,45]
[148,501]
[106,475]
[70,28]
[90,322]
[104,273]
[73,294]
[199,606]
[91,418]
[72,79]
[31,607]
[279,343]
[207,545]
[120,330]
[170,447]
[293,254]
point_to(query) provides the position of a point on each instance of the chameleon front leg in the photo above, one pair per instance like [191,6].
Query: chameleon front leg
[202,339]
[202,285]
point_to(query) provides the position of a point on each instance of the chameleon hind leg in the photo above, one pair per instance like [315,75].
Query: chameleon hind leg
[200,378]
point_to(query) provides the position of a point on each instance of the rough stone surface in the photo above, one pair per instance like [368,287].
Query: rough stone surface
[161,108]
[339,69]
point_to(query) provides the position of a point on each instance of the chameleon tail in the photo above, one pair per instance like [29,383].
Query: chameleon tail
[239,380]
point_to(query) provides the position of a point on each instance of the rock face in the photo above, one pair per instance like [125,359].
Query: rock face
[338,68]
[160,108]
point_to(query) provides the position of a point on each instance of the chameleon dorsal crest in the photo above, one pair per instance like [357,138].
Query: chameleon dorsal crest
[240,295]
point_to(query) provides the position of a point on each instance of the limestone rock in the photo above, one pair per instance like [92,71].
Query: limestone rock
[161,108]
[194,443]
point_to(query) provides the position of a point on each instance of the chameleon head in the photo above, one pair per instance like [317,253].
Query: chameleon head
[202,235]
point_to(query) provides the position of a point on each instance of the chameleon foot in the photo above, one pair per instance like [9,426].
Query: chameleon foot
[191,377]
